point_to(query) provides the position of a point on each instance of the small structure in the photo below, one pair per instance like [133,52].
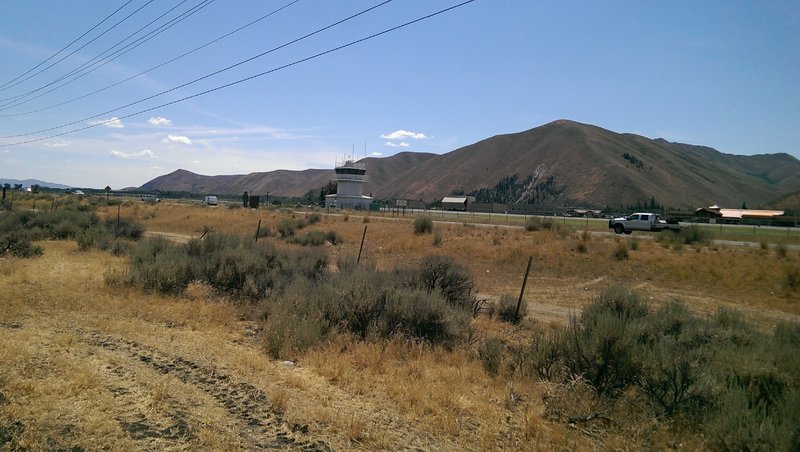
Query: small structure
[718,214]
[457,202]
[350,179]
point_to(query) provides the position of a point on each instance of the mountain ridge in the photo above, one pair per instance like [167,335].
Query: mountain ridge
[569,163]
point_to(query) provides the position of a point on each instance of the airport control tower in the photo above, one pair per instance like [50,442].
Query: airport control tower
[350,178]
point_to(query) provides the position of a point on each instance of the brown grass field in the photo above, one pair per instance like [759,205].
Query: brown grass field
[85,365]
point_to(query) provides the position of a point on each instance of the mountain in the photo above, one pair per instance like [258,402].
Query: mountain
[30,182]
[285,182]
[557,164]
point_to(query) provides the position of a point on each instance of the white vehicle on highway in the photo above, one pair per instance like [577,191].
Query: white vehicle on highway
[642,222]
[211,200]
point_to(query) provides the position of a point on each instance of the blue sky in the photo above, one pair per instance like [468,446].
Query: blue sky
[720,74]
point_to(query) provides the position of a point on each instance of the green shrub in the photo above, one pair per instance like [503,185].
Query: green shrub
[333,238]
[673,354]
[18,246]
[507,308]
[437,239]
[228,264]
[598,346]
[287,227]
[312,238]
[695,235]
[452,280]
[538,224]
[545,355]
[313,218]
[791,278]
[620,252]
[491,354]
[423,225]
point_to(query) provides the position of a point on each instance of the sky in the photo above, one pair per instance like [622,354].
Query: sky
[724,74]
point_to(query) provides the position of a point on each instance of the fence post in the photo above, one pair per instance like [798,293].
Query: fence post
[522,291]
[363,236]
[258,229]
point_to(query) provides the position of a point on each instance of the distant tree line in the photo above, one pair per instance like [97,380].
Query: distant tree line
[513,190]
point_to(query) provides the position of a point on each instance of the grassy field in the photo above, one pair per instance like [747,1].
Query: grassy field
[92,365]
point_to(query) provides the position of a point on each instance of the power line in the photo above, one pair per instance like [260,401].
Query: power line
[2,87]
[87,68]
[79,48]
[172,60]
[294,41]
[237,82]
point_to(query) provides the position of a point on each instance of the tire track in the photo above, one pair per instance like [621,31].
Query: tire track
[245,403]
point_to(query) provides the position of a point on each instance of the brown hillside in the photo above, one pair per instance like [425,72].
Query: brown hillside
[587,165]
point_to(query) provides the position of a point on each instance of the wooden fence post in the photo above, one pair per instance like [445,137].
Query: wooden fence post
[522,291]
[363,236]
[258,229]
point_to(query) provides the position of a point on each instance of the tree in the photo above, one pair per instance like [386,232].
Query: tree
[108,190]
[35,188]
[744,205]
[17,187]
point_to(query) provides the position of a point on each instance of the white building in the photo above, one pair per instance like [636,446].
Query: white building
[350,179]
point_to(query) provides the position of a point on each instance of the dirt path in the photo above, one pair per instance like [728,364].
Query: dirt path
[247,407]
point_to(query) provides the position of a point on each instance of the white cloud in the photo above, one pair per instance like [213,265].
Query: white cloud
[146,153]
[376,154]
[176,139]
[197,162]
[401,144]
[57,144]
[403,134]
[114,123]
[160,121]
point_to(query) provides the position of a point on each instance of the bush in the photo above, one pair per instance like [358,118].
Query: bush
[453,281]
[491,354]
[507,308]
[538,224]
[288,226]
[224,262]
[437,239]
[18,246]
[423,225]
[620,252]
[314,218]
[791,278]
[695,235]
[598,346]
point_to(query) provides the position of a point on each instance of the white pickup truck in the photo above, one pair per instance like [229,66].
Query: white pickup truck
[642,222]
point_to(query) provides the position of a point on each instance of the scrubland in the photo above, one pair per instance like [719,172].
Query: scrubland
[192,334]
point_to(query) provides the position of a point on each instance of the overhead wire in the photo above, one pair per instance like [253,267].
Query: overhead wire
[87,68]
[2,87]
[172,60]
[217,72]
[237,82]
[86,44]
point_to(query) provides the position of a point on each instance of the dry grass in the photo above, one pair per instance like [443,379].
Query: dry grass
[66,391]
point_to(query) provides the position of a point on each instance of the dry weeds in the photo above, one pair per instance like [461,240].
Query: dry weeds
[84,365]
